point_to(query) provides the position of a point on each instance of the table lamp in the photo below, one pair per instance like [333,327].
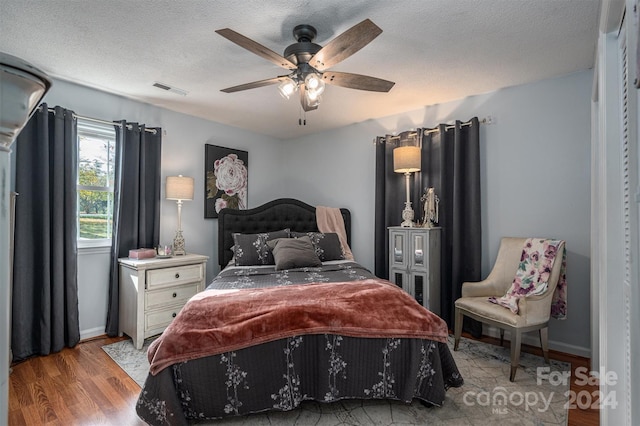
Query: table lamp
[179,188]
[406,159]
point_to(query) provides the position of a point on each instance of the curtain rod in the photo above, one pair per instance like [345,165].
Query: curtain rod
[447,127]
[97,120]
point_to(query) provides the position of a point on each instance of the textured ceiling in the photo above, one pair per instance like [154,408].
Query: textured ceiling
[435,51]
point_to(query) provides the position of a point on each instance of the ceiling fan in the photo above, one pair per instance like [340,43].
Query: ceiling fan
[309,63]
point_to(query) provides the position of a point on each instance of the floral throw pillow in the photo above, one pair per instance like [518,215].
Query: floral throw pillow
[252,249]
[326,245]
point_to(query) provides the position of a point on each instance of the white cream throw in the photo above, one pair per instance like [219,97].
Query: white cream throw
[329,219]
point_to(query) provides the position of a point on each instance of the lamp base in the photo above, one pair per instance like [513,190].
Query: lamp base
[407,215]
[178,244]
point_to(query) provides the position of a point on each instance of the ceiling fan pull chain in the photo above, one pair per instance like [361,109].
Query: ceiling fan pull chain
[301,121]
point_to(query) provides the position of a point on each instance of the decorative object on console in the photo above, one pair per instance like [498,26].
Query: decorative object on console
[163,251]
[179,188]
[406,159]
[226,179]
[431,208]
[142,253]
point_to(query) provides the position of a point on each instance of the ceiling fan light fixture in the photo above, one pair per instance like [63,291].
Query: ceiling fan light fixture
[313,98]
[314,83]
[308,63]
[287,88]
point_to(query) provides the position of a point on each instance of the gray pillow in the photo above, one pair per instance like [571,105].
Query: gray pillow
[292,253]
[327,246]
[252,249]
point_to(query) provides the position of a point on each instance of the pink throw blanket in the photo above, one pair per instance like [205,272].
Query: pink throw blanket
[218,321]
[329,219]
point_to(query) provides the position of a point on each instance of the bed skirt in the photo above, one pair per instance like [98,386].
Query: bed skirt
[279,375]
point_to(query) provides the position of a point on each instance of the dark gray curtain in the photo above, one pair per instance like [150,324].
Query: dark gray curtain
[136,216]
[451,165]
[45,286]
[389,203]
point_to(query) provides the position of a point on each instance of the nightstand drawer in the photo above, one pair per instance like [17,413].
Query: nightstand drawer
[160,319]
[153,291]
[171,276]
[168,296]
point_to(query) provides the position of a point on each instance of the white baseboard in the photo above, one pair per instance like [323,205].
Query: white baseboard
[92,332]
[533,339]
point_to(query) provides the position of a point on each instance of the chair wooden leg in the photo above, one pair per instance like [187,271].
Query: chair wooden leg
[516,339]
[544,343]
[501,336]
[457,332]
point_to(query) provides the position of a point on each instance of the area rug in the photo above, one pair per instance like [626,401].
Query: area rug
[486,398]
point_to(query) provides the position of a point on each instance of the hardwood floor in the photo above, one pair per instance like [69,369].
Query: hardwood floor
[79,386]
[83,386]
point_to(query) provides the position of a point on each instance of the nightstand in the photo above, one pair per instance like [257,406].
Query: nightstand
[152,292]
[414,263]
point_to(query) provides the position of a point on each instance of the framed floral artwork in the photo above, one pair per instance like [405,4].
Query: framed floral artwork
[226,177]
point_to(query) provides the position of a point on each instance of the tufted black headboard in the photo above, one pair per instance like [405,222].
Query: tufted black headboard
[272,216]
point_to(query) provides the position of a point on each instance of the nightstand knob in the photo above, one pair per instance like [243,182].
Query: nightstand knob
[173,315]
[177,275]
[175,294]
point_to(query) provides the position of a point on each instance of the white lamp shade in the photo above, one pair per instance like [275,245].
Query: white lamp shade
[179,188]
[406,159]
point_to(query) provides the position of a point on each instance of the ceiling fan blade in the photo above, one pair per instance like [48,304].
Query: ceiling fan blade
[345,45]
[256,48]
[357,81]
[255,84]
[304,101]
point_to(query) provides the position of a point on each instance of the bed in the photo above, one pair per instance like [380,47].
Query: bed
[273,330]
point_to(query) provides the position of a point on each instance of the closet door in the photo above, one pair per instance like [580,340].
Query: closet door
[616,228]
[12,224]
[630,197]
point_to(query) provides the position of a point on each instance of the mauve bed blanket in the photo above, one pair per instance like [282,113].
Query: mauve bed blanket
[218,321]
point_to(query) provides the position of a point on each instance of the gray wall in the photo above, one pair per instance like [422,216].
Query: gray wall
[535,177]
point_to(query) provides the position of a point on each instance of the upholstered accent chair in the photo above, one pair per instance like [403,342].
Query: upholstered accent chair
[534,311]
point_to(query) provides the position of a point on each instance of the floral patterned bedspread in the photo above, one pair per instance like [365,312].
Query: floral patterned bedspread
[278,375]
[239,277]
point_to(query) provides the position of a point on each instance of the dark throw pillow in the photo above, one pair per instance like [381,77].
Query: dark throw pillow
[252,249]
[292,253]
[327,246]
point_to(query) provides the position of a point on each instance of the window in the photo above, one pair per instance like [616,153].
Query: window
[96,171]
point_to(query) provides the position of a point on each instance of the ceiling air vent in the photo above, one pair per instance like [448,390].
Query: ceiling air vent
[169,88]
